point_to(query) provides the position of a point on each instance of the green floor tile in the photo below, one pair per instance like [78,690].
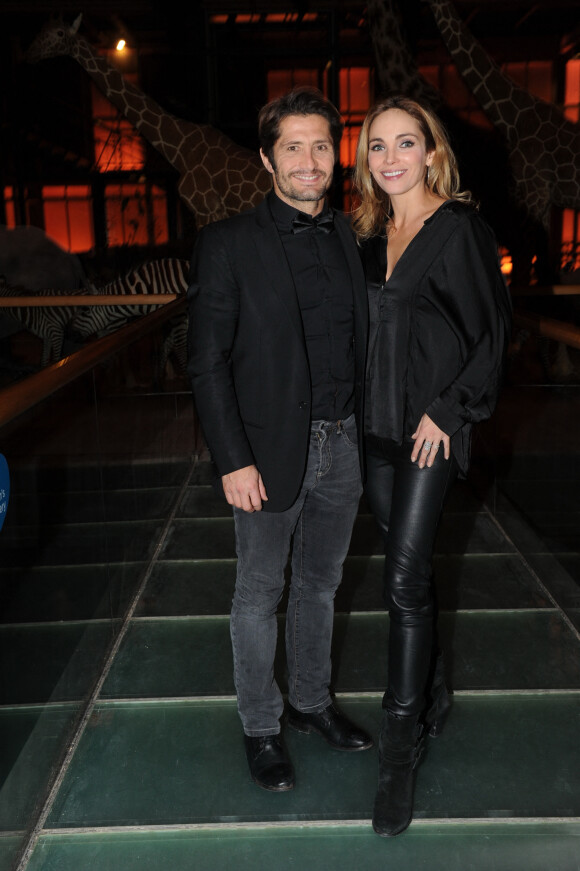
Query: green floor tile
[79,544]
[573,615]
[64,475]
[496,752]
[205,587]
[559,531]
[9,847]
[40,594]
[459,533]
[213,538]
[524,536]
[138,504]
[483,650]
[559,571]
[176,657]
[204,501]
[463,582]
[486,581]
[558,575]
[205,538]
[469,847]
[138,473]
[462,499]
[178,763]
[490,650]
[570,562]
[92,506]
[32,739]
[505,755]
[51,662]
[188,587]
[467,534]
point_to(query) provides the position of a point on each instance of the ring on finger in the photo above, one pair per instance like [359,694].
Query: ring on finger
[427,446]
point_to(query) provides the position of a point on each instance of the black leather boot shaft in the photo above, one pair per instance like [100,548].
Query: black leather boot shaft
[400,746]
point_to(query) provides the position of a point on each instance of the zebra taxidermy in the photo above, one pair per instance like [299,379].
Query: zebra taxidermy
[162,276]
[48,323]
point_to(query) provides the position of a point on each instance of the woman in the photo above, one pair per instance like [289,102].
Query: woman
[439,320]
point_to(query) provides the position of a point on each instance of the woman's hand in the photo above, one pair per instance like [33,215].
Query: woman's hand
[429,439]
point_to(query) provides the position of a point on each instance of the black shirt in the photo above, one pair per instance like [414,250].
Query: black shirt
[324,292]
[438,329]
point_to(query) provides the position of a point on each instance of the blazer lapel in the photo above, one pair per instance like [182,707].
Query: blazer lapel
[277,275]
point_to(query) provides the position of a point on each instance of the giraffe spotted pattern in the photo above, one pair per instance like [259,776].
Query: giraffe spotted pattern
[544,145]
[217,178]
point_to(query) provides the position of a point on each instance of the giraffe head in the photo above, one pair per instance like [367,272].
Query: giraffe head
[56,38]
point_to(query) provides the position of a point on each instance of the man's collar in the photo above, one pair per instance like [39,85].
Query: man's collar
[285,214]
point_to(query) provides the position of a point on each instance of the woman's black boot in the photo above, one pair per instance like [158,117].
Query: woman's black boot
[400,746]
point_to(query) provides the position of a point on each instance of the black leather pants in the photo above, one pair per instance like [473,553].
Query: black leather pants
[407,502]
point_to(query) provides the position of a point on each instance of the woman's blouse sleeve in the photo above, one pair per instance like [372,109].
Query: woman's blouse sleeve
[475,299]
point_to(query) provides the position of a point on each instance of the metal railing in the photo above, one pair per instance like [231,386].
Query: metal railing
[17,398]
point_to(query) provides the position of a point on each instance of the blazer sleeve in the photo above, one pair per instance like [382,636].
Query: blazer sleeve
[213,301]
[475,300]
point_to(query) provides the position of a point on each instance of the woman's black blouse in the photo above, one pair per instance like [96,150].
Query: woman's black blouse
[439,329]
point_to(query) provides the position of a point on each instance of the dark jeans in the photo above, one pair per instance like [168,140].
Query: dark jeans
[407,502]
[319,527]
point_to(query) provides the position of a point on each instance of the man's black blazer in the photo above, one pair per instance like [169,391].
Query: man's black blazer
[247,354]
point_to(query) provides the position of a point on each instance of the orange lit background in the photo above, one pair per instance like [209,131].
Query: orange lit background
[136,213]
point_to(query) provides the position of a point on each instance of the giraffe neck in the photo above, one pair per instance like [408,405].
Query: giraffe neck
[490,86]
[396,69]
[543,174]
[217,177]
[162,129]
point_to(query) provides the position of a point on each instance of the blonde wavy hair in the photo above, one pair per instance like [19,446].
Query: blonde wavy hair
[372,214]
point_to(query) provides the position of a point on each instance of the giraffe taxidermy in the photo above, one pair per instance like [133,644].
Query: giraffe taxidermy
[217,177]
[544,145]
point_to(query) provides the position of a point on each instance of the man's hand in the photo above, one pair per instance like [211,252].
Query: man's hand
[245,489]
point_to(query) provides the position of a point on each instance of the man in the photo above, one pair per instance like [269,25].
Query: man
[277,335]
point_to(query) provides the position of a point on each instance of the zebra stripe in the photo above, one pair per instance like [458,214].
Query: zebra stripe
[47,323]
[156,276]
[51,323]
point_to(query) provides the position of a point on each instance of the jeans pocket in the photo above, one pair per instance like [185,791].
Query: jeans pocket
[349,431]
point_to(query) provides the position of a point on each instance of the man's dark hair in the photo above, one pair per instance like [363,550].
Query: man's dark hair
[299,101]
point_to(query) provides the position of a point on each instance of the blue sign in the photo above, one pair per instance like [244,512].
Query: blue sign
[4,488]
